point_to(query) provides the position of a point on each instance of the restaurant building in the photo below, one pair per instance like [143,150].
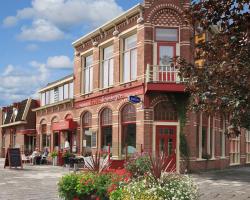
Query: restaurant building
[18,126]
[126,93]
[55,116]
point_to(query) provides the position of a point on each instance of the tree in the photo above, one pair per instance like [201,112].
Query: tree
[223,83]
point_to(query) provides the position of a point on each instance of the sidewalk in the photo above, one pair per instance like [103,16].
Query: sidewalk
[37,182]
[229,184]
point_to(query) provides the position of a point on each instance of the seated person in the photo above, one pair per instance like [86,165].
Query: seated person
[44,156]
[36,157]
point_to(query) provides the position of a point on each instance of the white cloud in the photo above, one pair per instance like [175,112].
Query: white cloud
[62,15]
[18,83]
[32,47]
[59,62]
[8,70]
[10,21]
[41,30]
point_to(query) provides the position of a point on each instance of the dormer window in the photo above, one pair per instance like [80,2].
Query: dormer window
[15,111]
[4,116]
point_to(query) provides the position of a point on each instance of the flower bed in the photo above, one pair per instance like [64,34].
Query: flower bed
[145,178]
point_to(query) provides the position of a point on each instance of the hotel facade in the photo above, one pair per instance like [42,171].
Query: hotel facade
[125,93]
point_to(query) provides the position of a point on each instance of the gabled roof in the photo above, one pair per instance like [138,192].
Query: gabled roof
[22,107]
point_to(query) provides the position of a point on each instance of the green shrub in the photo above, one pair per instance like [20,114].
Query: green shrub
[138,165]
[67,186]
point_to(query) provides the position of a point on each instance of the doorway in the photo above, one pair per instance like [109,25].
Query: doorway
[166,143]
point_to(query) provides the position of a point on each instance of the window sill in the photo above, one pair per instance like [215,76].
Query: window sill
[86,94]
[234,164]
[129,82]
[107,88]
[201,159]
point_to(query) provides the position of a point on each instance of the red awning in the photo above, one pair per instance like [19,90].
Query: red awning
[27,131]
[64,125]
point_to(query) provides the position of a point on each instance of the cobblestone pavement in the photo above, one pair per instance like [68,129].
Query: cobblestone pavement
[229,184]
[31,183]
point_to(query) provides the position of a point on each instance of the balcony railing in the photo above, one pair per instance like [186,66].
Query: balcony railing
[162,74]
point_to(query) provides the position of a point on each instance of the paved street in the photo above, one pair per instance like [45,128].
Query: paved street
[40,182]
[230,184]
[31,183]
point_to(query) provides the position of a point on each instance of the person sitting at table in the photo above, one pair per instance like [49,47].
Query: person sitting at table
[44,156]
[36,157]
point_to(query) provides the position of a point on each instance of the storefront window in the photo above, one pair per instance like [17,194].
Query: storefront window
[87,134]
[130,58]
[106,128]
[129,129]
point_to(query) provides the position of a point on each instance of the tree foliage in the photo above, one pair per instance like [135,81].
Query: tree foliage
[223,83]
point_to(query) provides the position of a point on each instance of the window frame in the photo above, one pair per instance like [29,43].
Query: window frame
[173,42]
[247,146]
[232,154]
[90,67]
[124,51]
[109,66]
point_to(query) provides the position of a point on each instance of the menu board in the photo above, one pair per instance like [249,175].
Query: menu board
[13,158]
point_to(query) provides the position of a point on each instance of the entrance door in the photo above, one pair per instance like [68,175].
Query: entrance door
[166,143]
[166,53]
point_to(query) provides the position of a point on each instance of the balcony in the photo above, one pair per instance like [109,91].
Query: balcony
[163,78]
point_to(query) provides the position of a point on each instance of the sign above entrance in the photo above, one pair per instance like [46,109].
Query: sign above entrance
[134,99]
[64,125]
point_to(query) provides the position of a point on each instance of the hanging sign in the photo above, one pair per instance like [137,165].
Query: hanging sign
[134,99]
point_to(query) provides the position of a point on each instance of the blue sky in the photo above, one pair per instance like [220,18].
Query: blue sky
[36,37]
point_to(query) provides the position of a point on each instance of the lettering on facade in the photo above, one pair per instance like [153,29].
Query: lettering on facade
[109,98]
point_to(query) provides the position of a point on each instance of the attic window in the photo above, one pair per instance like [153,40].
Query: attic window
[4,115]
[15,111]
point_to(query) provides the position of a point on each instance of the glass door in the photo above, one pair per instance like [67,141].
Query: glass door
[166,70]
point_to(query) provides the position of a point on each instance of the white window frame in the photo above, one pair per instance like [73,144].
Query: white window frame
[234,153]
[43,97]
[247,146]
[71,90]
[129,51]
[88,69]
[110,75]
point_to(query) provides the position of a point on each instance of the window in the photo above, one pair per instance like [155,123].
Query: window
[43,99]
[108,67]
[106,128]
[56,95]
[71,90]
[166,34]
[15,112]
[164,111]
[248,146]
[60,93]
[88,74]
[52,96]
[87,133]
[45,140]
[130,58]
[66,91]
[3,140]
[128,129]
[234,150]
[47,98]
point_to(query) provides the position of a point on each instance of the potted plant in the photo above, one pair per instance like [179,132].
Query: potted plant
[66,157]
[54,155]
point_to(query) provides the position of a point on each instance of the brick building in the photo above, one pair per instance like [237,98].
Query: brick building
[131,57]
[55,121]
[18,126]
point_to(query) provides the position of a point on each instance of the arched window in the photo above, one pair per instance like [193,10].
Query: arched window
[106,128]
[164,111]
[128,121]
[90,139]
